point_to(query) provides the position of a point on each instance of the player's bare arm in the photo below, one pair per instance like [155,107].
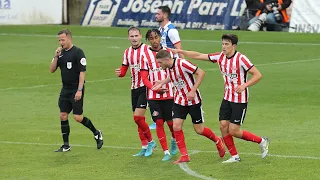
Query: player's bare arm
[53,65]
[192,54]
[200,75]
[80,86]
[256,76]
[179,46]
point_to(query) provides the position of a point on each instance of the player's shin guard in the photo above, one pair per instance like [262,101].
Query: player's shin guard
[141,122]
[209,134]
[228,141]
[143,139]
[170,125]
[65,130]
[181,143]
[161,134]
[250,137]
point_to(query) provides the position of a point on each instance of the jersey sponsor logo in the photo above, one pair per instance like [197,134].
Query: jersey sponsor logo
[180,84]
[69,65]
[83,61]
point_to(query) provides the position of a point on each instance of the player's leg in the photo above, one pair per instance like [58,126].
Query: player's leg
[224,119]
[196,114]
[167,113]
[179,114]
[156,108]
[78,116]
[237,118]
[139,105]
[65,107]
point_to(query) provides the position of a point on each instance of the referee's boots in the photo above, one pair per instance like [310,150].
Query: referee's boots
[99,139]
[63,148]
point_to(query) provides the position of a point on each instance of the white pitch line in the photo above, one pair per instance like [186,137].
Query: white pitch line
[48,85]
[110,79]
[276,63]
[189,171]
[195,151]
[187,40]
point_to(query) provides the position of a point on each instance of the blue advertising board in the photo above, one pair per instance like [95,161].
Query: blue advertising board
[185,14]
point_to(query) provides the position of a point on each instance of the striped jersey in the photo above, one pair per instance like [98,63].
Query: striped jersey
[169,36]
[156,73]
[181,75]
[131,58]
[234,71]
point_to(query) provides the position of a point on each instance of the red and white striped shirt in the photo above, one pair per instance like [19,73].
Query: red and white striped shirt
[181,74]
[156,73]
[131,58]
[234,71]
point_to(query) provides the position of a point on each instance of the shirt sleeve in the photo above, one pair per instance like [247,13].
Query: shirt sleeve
[188,67]
[173,35]
[81,60]
[125,58]
[144,63]
[245,63]
[214,57]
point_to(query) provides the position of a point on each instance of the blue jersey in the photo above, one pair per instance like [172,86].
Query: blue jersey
[169,35]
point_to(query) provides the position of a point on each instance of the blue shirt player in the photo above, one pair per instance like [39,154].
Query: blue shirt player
[169,34]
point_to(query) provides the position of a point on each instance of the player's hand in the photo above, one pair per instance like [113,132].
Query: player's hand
[78,95]
[279,7]
[157,85]
[191,95]
[58,51]
[174,51]
[162,90]
[240,88]
[118,71]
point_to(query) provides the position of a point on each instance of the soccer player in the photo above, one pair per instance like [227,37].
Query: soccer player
[161,100]
[187,100]
[131,58]
[169,34]
[234,68]
[72,63]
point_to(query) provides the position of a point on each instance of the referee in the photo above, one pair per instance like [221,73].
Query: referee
[72,63]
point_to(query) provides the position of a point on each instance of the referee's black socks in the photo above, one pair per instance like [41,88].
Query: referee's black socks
[87,123]
[65,129]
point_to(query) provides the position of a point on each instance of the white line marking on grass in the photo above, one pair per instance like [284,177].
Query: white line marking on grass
[186,40]
[195,151]
[48,85]
[110,79]
[276,63]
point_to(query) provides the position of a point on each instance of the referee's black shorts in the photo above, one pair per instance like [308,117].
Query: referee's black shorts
[67,103]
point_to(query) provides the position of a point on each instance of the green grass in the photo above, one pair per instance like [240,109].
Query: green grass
[284,106]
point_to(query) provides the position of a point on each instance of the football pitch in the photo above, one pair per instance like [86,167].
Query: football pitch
[284,106]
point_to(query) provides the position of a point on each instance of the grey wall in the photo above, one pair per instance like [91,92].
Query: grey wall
[76,10]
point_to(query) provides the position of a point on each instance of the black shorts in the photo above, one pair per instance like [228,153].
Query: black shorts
[139,98]
[161,109]
[195,112]
[233,112]
[67,103]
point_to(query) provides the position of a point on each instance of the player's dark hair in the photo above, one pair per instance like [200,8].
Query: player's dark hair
[165,9]
[65,31]
[231,37]
[133,28]
[163,54]
[152,30]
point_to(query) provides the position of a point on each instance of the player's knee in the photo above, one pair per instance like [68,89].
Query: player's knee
[63,116]
[78,118]
[235,131]
[224,128]
[177,127]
